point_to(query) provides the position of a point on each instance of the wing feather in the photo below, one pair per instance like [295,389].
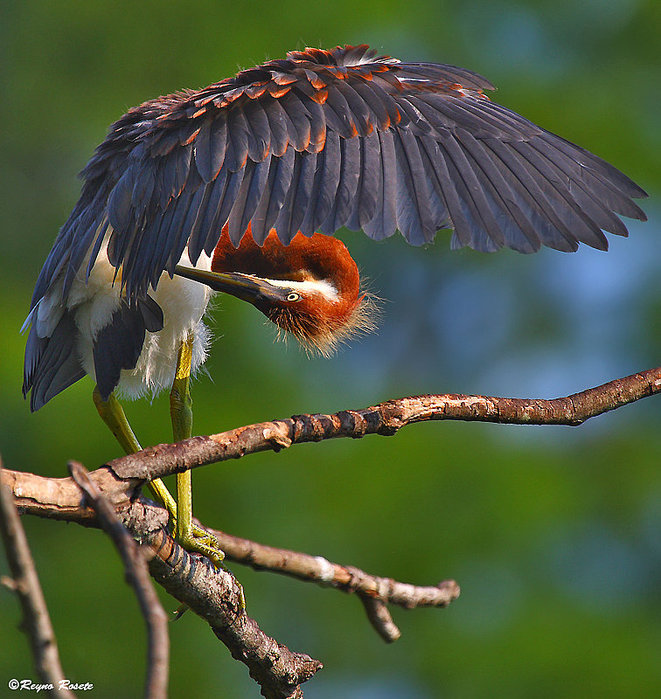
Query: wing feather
[516,209]
[350,164]
[326,181]
[384,222]
[210,146]
[323,139]
[365,201]
[414,217]
[282,180]
[549,200]
[245,203]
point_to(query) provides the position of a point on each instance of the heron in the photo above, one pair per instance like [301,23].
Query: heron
[239,188]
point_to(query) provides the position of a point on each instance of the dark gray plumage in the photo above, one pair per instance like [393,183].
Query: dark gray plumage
[317,141]
[118,344]
[52,363]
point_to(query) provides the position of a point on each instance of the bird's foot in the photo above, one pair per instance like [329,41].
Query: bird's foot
[191,536]
[199,540]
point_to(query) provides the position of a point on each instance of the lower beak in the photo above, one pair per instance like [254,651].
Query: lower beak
[243,286]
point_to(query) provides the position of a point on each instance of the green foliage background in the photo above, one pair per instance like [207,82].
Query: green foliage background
[553,533]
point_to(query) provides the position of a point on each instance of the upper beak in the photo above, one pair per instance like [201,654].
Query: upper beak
[243,286]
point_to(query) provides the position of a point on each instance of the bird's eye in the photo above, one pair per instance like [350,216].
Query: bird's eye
[293,296]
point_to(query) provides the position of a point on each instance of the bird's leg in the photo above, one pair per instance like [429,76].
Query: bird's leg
[190,536]
[113,415]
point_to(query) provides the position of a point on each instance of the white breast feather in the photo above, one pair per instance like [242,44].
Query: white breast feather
[94,301]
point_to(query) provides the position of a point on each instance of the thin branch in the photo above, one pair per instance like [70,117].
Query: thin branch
[375,592]
[137,575]
[36,620]
[379,616]
[385,419]
[302,566]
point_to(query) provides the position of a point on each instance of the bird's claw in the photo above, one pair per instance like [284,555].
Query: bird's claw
[199,540]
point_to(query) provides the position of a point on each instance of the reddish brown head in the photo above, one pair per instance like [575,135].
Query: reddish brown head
[321,304]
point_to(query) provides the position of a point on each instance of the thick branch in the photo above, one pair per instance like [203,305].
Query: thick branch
[217,597]
[212,593]
[36,620]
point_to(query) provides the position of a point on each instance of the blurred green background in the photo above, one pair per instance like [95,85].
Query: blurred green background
[552,533]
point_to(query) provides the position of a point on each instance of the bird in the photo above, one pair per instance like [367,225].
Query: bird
[239,188]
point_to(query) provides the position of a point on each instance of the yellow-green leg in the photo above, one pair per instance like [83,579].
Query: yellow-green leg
[191,537]
[113,415]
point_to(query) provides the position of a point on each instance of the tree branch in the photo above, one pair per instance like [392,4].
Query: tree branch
[214,594]
[25,582]
[385,419]
[137,574]
[374,592]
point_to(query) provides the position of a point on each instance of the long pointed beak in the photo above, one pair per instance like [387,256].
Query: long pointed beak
[244,287]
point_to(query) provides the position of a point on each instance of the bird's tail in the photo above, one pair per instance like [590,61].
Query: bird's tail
[51,363]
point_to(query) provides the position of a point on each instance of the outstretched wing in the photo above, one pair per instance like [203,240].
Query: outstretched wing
[325,139]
